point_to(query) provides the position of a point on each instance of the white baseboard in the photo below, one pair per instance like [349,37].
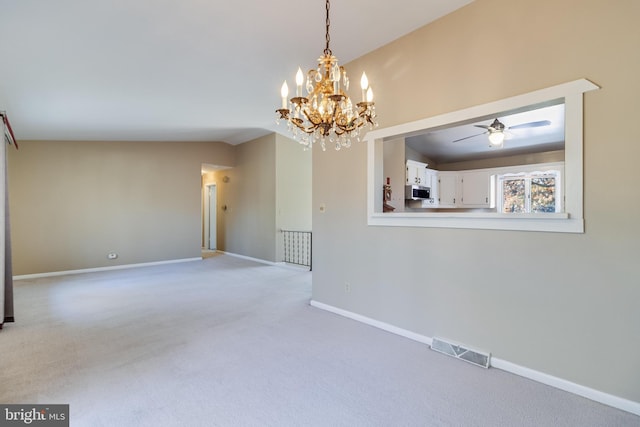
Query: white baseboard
[369,321]
[276,264]
[93,270]
[144,264]
[541,377]
[580,390]
[262,261]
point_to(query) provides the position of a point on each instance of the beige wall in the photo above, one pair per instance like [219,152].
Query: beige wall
[562,304]
[73,202]
[293,189]
[250,197]
[268,190]
[395,154]
[496,162]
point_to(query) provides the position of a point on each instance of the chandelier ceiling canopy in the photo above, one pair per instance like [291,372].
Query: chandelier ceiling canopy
[326,113]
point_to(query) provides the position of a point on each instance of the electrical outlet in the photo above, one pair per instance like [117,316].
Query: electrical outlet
[347,287]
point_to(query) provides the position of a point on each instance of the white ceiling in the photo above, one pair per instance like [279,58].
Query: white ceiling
[441,145]
[189,70]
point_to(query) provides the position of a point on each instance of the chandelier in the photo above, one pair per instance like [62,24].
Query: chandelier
[326,113]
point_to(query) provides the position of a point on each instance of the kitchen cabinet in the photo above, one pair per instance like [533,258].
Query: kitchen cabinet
[431,179]
[475,189]
[432,183]
[448,189]
[416,173]
[466,189]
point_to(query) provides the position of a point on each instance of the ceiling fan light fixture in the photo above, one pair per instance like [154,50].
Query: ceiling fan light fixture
[496,138]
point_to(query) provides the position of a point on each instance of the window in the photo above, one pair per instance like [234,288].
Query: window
[534,192]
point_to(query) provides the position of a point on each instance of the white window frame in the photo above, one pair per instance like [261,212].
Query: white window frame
[527,177]
[569,221]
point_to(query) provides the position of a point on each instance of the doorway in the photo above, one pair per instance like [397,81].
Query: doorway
[210,217]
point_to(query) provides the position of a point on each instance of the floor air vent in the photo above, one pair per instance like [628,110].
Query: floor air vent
[460,352]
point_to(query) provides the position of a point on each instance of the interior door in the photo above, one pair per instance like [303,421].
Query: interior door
[212,217]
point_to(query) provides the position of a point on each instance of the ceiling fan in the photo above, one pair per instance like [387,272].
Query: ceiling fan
[496,130]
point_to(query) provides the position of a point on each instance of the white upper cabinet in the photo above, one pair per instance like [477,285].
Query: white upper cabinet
[447,189]
[433,184]
[475,189]
[416,173]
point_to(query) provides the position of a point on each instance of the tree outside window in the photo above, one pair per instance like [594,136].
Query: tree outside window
[543,194]
[529,192]
[513,196]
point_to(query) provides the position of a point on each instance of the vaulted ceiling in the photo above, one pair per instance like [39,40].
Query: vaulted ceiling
[189,70]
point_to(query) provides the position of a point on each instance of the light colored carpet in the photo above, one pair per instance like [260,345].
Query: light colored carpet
[229,342]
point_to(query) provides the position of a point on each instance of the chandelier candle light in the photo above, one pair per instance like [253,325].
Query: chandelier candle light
[327,111]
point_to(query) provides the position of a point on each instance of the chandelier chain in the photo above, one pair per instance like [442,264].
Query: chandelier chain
[327,51]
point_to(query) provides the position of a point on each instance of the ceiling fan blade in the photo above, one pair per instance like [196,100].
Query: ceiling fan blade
[468,137]
[482,126]
[531,124]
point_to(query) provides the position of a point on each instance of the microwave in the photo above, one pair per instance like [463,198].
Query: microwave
[416,192]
